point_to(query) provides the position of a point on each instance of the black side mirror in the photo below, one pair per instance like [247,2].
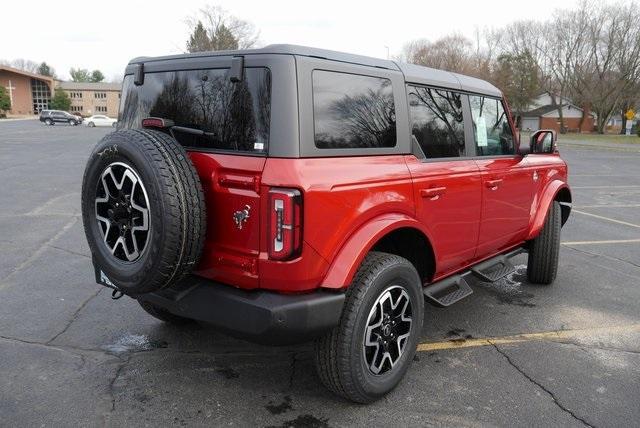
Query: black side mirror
[543,141]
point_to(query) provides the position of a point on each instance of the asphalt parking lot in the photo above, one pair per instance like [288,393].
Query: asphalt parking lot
[511,354]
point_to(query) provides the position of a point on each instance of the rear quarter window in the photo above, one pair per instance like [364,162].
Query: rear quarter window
[353,111]
[212,113]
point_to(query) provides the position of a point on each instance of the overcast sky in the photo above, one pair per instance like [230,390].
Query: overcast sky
[105,34]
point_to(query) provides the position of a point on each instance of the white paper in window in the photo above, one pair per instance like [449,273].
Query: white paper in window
[481,132]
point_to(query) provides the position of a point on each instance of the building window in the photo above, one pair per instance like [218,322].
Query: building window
[76,109]
[75,94]
[101,109]
[40,94]
[100,95]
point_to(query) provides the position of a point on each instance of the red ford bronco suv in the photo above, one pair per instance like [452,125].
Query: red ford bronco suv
[288,194]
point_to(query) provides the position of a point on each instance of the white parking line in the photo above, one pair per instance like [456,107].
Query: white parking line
[630,186]
[608,206]
[606,218]
[612,241]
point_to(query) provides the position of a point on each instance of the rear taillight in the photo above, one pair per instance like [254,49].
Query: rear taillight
[285,223]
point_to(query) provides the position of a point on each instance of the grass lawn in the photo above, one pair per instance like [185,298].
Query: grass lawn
[608,138]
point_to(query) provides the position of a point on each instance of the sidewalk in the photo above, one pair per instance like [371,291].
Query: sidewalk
[13,119]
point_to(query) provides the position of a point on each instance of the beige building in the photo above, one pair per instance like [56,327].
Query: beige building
[88,99]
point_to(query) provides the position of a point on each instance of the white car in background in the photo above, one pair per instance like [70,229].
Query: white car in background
[99,120]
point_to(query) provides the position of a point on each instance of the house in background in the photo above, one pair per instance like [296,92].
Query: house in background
[543,114]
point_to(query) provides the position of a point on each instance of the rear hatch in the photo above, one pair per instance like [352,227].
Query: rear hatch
[222,117]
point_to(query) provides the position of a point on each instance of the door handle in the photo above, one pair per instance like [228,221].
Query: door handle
[493,184]
[433,192]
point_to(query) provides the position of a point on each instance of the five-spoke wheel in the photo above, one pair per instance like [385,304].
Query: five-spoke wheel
[388,329]
[122,211]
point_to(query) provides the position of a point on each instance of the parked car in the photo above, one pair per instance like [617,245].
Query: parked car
[292,194]
[100,120]
[51,117]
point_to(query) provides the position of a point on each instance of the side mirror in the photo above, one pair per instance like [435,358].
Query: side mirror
[543,141]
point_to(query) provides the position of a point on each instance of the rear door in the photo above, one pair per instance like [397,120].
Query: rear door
[507,178]
[446,180]
[224,126]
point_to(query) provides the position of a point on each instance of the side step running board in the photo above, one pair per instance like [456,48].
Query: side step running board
[448,291]
[496,268]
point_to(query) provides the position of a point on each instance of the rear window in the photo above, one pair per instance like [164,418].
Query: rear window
[353,111]
[437,121]
[209,111]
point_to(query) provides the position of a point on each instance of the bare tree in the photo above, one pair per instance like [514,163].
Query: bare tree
[214,29]
[612,71]
[24,64]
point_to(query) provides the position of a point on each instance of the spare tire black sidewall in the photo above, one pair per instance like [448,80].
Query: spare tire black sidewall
[129,276]
[177,212]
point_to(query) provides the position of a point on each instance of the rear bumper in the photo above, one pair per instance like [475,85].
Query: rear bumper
[259,316]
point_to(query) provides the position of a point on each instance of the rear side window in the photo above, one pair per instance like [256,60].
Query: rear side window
[209,111]
[490,127]
[352,111]
[437,121]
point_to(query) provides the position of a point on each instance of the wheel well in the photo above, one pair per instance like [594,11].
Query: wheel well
[564,197]
[414,246]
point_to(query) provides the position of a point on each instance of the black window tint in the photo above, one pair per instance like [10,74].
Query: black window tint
[437,121]
[232,116]
[352,111]
[491,128]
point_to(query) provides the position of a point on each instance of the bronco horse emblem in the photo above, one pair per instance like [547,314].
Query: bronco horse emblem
[240,217]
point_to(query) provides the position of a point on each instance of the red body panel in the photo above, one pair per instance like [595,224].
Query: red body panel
[230,183]
[507,191]
[448,202]
[468,210]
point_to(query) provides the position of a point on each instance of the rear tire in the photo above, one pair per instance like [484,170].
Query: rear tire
[544,251]
[163,315]
[348,357]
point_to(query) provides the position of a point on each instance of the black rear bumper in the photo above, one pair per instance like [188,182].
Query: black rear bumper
[256,315]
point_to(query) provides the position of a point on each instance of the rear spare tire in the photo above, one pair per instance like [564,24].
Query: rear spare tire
[143,210]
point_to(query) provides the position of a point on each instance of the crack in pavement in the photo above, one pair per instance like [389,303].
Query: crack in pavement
[4,281]
[112,383]
[293,370]
[606,256]
[584,346]
[75,316]
[539,385]
[75,253]
[594,255]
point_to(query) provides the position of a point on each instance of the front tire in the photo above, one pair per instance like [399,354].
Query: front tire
[369,352]
[544,251]
[91,125]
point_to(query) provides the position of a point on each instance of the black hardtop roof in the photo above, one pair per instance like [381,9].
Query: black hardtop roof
[413,73]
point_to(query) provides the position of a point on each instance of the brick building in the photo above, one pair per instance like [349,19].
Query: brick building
[543,114]
[93,98]
[29,92]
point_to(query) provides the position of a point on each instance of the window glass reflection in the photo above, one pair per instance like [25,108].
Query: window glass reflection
[232,116]
[437,121]
[353,111]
